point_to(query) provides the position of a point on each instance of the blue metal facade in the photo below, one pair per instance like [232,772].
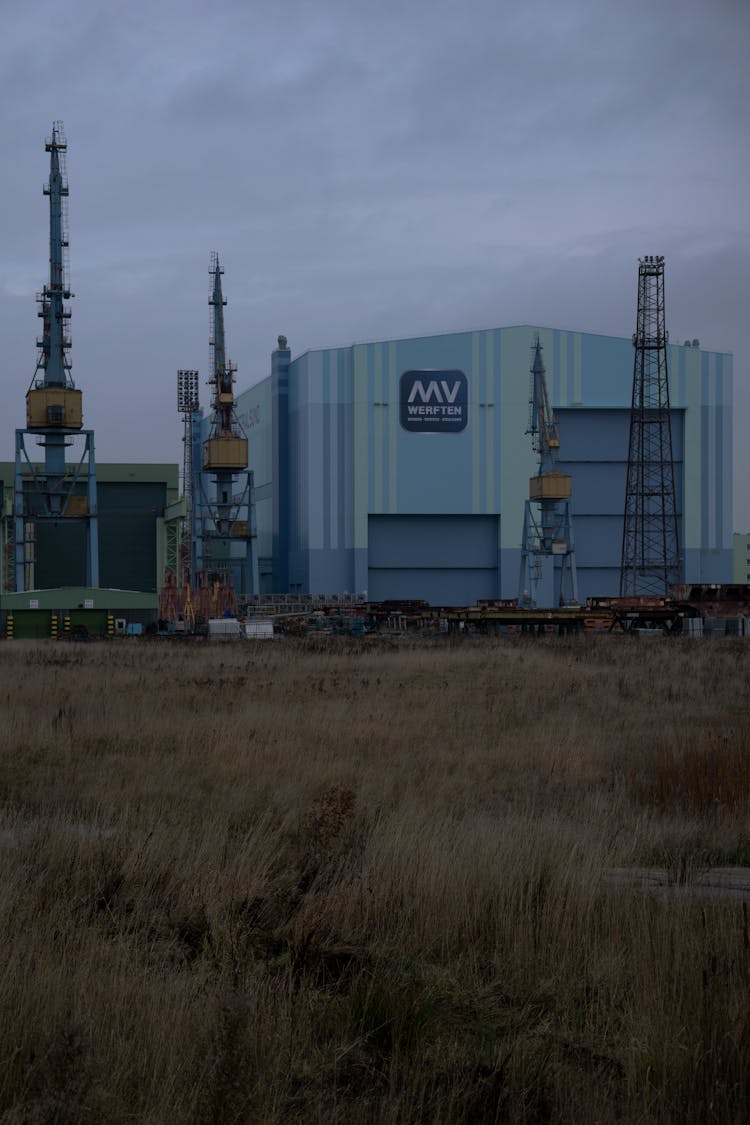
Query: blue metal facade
[348,499]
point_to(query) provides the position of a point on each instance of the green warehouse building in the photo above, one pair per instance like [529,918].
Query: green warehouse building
[138,509]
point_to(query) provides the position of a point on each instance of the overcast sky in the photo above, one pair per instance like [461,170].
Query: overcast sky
[366,171]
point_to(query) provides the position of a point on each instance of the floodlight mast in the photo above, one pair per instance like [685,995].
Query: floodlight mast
[188,405]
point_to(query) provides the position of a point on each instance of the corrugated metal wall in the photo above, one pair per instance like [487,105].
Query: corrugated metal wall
[127,534]
[60,555]
[445,560]
[128,512]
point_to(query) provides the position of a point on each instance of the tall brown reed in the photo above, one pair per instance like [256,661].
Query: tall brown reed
[354,881]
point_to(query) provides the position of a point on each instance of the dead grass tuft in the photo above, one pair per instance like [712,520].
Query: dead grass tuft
[708,771]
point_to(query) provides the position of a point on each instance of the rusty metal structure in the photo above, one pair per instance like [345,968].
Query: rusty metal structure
[650,561]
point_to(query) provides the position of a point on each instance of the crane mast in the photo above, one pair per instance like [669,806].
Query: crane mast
[53,405]
[545,439]
[225,451]
[222,371]
[53,358]
[547,524]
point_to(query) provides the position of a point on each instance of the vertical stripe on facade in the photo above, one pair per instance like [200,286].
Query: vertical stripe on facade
[727,467]
[491,413]
[378,413]
[566,369]
[692,457]
[484,469]
[392,413]
[317,501]
[577,376]
[553,377]
[677,384]
[343,423]
[327,479]
[705,469]
[719,451]
[361,440]
[474,422]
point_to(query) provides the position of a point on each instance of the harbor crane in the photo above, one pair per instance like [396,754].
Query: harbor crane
[49,495]
[224,507]
[547,523]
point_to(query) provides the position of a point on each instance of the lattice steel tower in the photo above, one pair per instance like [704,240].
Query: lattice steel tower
[650,543]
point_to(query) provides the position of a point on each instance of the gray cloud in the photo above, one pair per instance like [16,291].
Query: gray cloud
[367,171]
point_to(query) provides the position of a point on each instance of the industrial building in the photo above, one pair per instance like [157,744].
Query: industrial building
[401,468]
[741,557]
[135,503]
[132,502]
[79,543]
[426,469]
[353,493]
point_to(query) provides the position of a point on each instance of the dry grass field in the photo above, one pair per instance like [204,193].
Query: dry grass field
[360,881]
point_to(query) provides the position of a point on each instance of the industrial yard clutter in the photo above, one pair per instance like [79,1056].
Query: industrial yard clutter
[438,469]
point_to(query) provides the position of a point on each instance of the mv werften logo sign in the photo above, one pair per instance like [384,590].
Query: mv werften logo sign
[434,402]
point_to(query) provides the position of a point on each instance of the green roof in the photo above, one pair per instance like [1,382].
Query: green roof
[108,472]
[78,597]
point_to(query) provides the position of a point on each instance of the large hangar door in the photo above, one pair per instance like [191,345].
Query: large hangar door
[444,560]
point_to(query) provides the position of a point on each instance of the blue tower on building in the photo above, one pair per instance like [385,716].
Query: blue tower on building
[281,357]
[55,492]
